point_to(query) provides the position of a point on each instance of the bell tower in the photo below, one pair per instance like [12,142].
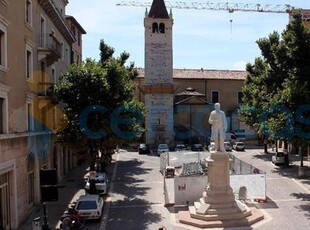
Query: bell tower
[158,79]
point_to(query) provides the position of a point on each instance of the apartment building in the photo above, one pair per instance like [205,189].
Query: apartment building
[35,49]
[77,31]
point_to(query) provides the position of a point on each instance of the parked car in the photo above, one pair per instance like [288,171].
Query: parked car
[180,147]
[162,148]
[238,146]
[101,183]
[89,206]
[228,146]
[197,147]
[278,158]
[143,149]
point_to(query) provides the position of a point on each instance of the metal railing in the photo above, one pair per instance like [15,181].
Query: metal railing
[49,41]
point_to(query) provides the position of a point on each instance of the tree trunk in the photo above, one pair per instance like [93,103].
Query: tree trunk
[286,157]
[301,157]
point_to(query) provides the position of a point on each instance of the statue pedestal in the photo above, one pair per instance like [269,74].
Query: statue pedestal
[218,207]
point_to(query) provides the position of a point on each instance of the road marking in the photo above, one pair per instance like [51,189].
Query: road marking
[300,185]
[287,200]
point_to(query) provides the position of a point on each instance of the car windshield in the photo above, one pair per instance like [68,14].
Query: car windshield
[162,146]
[86,205]
[280,154]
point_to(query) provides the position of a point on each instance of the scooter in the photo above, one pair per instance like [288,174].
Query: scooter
[71,220]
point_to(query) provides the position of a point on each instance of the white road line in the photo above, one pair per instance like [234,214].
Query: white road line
[301,185]
[287,200]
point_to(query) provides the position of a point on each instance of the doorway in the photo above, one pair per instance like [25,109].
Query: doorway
[4,202]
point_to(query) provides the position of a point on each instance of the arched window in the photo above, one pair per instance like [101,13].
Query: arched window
[162,28]
[155,27]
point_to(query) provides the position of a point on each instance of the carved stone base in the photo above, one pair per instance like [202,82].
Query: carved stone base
[218,207]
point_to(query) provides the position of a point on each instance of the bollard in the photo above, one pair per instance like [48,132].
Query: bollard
[36,223]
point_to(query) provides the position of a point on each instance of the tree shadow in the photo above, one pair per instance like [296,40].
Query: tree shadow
[136,217]
[303,207]
[131,204]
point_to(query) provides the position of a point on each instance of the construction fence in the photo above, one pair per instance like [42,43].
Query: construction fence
[247,181]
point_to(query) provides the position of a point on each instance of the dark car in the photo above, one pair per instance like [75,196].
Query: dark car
[143,149]
[180,147]
[197,147]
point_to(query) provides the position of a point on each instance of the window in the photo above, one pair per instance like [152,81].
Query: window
[53,80]
[67,55]
[30,187]
[215,97]
[29,61]
[79,38]
[30,123]
[240,95]
[78,59]
[62,50]
[42,32]
[72,56]
[28,14]
[2,115]
[73,30]
[3,46]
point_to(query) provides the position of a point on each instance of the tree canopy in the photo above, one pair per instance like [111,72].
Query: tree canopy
[98,101]
[276,91]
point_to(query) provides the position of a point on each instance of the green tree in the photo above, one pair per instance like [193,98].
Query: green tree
[276,91]
[100,109]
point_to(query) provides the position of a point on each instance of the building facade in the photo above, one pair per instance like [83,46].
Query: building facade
[35,49]
[195,92]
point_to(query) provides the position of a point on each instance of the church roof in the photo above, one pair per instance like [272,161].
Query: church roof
[158,9]
[200,74]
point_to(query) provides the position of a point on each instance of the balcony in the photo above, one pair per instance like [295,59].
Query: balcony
[49,48]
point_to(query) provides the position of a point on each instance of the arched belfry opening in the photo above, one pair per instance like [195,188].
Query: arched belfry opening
[162,28]
[155,27]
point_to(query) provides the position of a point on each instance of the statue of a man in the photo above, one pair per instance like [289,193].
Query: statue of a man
[218,123]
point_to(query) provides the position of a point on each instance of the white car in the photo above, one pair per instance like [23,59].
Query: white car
[278,158]
[101,183]
[89,206]
[239,146]
[162,148]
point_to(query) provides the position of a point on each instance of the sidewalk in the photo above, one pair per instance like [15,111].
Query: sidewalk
[70,189]
[292,170]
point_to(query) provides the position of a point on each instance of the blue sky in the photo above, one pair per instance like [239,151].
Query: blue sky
[201,38]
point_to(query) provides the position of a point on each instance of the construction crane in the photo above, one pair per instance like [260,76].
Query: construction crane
[230,7]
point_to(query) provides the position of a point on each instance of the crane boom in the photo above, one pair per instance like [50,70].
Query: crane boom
[230,7]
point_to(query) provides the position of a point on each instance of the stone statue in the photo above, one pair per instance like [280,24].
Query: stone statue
[218,123]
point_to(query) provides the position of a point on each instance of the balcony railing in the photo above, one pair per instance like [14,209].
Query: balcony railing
[49,42]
